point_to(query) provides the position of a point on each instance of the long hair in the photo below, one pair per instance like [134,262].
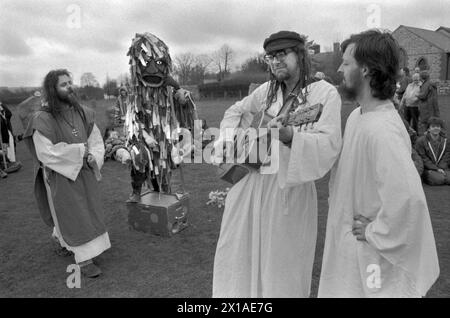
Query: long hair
[53,103]
[379,51]
[304,63]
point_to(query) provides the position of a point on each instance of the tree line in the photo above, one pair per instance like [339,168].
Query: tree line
[196,69]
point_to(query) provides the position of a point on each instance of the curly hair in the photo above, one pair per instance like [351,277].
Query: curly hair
[305,75]
[379,52]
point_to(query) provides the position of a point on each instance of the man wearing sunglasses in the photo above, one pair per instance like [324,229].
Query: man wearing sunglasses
[269,226]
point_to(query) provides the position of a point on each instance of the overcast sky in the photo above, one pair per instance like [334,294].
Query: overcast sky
[94,36]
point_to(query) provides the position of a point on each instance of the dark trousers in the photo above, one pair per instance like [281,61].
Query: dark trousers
[138,178]
[412,117]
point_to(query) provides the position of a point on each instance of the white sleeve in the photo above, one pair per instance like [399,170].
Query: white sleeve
[314,151]
[96,146]
[63,158]
[242,112]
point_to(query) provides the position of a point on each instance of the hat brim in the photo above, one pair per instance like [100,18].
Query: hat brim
[281,44]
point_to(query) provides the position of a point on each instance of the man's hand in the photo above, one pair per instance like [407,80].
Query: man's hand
[181,95]
[285,133]
[359,227]
[90,159]
[275,122]
[442,171]
[86,151]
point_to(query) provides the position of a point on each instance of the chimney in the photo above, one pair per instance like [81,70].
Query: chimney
[315,48]
[336,47]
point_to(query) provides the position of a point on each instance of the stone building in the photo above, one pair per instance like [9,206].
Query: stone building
[428,50]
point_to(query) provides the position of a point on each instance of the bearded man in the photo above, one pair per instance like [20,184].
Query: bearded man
[158,107]
[68,150]
[379,240]
[269,226]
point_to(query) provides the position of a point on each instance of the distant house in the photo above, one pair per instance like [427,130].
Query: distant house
[428,50]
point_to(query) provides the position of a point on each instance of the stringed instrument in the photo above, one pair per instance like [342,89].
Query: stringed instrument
[251,151]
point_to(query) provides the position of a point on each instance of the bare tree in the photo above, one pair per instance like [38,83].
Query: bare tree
[88,79]
[201,67]
[183,67]
[110,87]
[222,59]
[254,65]
[124,79]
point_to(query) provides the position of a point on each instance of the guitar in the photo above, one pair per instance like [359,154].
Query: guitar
[252,152]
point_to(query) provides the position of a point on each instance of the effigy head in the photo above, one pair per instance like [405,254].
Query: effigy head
[150,60]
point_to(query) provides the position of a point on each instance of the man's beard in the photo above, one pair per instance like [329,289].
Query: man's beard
[69,99]
[351,92]
[283,76]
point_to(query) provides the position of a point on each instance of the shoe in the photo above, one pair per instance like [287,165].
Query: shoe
[89,269]
[64,252]
[134,198]
[3,174]
[13,167]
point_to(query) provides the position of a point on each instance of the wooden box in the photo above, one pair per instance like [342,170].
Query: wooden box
[159,213]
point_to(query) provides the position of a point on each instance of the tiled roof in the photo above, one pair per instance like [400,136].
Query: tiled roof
[437,39]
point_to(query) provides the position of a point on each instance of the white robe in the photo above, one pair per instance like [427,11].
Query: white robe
[67,160]
[269,227]
[375,177]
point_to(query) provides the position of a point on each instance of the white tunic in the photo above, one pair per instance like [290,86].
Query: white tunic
[375,177]
[269,227]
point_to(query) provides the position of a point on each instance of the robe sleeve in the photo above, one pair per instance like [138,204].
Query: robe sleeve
[401,229]
[96,146]
[314,151]
[65,159]
[242,112]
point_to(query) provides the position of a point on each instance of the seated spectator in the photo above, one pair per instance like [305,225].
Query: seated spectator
[434,148]
[115,146]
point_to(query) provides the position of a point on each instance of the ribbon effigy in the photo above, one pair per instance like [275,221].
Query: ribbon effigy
[154,114]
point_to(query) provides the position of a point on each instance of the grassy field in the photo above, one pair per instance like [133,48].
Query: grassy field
[144,265]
